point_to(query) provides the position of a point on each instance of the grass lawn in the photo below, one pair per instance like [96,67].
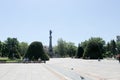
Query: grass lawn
[7,60]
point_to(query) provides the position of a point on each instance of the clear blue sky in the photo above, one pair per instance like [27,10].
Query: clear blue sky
[71,20]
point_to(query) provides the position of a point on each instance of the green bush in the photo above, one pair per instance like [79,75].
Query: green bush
[92,51]
[45,57]
[80,52]
[36,51]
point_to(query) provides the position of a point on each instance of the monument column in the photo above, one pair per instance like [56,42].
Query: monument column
[50,44]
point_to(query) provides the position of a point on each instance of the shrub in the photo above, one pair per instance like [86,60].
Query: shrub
[36,51]
[80,52]
[92,51]
[45,57]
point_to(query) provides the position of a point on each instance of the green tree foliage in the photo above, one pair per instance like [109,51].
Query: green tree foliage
[94,48]
[62,48]
[56,52]
[108,47]
[4,50]
[108,52]
[92,51]
[65,49]
[113,47]
[0,48]
[80,52]
[84,44]
[71,49]
[12,46]
[118,47]
[45,57]
[36,51]
[23,48]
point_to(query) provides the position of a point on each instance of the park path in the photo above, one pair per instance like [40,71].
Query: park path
[91,69]
[62,69]
[29,72]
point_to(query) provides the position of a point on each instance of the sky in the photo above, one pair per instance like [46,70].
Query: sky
[72,20]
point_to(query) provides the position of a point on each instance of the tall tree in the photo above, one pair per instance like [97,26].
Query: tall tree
[108,52]
[5,51]
[118,47]
[113,47]
[84,44]
[12,45]
[71,49]
[65,49]
[0,48]
[94,48]
[61,48]
[23,48]
[80,52]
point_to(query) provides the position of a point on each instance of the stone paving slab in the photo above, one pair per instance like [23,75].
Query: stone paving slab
[93,69]
[28,72]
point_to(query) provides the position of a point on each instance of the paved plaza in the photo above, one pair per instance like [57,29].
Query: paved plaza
[91,69]
[28,72]
[62,69]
